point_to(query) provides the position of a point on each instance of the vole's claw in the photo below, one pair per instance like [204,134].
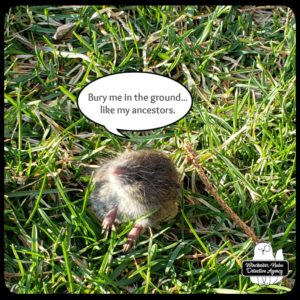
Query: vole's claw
[126,247]
[105,227]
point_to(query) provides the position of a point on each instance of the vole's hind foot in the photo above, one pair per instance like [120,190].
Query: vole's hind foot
[109,220]
[132,236]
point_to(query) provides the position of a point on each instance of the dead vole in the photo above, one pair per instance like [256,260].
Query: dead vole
[133,185]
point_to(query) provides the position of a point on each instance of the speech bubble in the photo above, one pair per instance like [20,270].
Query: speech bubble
[134,101]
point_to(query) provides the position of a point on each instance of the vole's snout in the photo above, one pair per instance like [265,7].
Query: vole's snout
[121,172]
[118,171]
[125,175]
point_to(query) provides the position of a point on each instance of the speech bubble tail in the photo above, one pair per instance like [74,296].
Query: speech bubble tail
[115,131]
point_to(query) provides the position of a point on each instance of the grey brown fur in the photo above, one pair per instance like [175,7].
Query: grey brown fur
[135,184]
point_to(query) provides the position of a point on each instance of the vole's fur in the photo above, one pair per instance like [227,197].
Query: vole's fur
[137,183]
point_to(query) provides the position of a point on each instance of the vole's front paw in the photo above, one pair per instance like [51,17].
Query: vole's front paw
[132,236]
[109,220]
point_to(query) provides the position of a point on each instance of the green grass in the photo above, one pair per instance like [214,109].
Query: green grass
[238,63]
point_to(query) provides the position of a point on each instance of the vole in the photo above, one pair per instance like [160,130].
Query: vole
[142,185]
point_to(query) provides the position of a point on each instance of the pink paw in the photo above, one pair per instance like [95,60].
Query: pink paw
[132,236]
[109,220]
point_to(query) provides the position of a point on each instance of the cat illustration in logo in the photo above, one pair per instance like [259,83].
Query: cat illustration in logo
[264,251]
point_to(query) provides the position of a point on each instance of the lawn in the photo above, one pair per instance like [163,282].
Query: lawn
[238,62]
